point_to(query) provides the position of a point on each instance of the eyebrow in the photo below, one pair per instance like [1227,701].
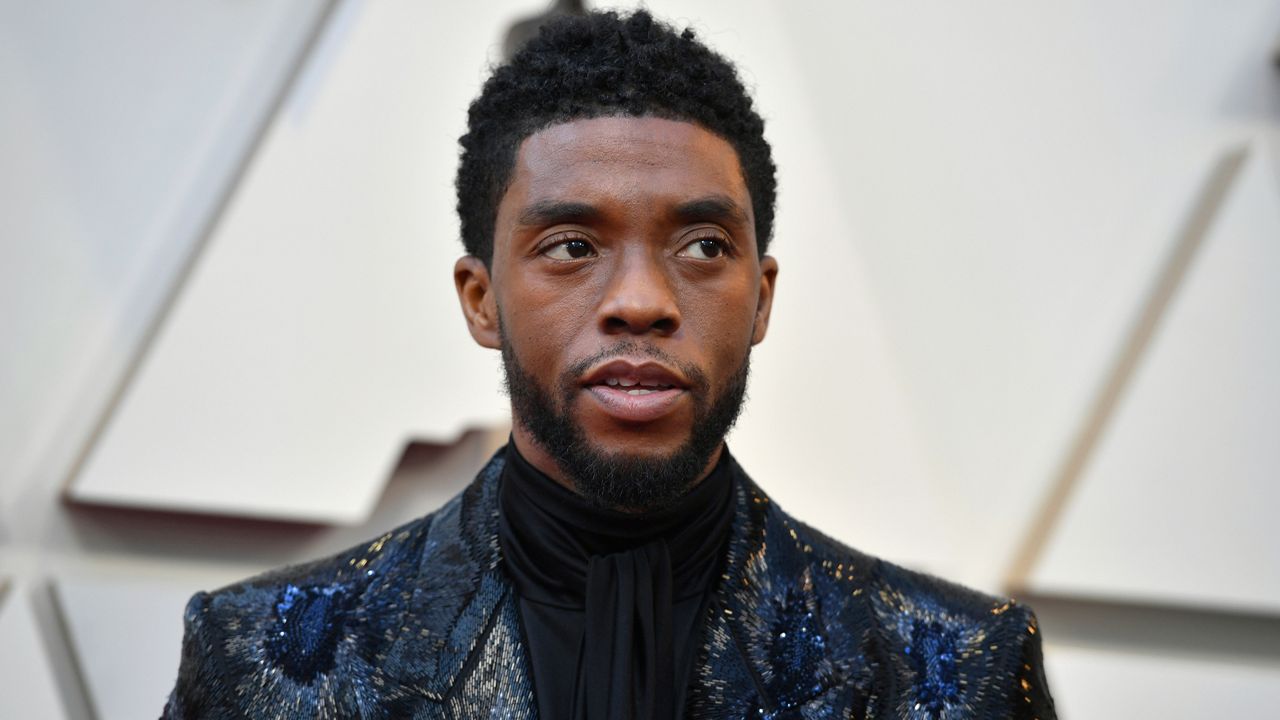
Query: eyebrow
[554,212]
[713,208]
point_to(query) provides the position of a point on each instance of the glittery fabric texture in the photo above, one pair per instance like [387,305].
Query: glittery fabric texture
[422,623]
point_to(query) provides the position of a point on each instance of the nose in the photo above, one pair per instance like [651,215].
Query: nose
[639,298]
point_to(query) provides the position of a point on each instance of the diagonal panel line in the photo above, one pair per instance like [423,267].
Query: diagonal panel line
[207,227]
[55,635]
[1168,280]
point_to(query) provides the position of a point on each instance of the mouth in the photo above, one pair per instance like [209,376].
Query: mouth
[636,388]
[635,392]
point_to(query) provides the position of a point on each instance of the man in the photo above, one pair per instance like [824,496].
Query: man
[613,561]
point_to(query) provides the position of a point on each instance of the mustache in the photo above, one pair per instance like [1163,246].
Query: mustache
[632,349]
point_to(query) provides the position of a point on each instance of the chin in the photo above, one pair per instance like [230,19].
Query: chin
[637,443]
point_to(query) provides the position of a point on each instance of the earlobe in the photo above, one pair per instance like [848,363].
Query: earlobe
[479,307]
[764,302]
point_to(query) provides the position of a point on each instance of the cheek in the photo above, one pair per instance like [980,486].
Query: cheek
[545,322]
[721,316]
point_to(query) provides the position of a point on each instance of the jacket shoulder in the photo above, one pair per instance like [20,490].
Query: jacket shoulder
[893,586]
[939,646]
[268,639]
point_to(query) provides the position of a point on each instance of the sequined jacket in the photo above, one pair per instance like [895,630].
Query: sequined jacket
[422,623]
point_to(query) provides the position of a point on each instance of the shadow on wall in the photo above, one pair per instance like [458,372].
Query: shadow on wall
[424,478]
[1160,630]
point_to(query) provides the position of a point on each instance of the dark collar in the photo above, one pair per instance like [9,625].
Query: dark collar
[549,534]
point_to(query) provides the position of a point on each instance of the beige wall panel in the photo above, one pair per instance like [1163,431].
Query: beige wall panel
[123,124]
[1012,174]
[1177,503]
[28,688]
[1090,684]
[105,617]
[319,331]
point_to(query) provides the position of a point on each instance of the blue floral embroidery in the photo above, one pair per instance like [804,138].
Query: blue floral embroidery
[932,655]
[308,626]
[796,649]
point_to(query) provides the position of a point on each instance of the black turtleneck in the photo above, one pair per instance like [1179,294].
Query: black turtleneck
[611,602]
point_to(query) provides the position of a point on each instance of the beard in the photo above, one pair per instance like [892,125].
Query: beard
[615,480]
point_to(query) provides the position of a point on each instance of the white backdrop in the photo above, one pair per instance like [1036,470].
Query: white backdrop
[978,202]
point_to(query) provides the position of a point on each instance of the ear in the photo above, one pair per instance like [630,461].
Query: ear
[479,306]
[764,303]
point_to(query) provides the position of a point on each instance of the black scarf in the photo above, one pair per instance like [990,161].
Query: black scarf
[610,601]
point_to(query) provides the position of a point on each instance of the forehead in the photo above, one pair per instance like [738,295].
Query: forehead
[625,159]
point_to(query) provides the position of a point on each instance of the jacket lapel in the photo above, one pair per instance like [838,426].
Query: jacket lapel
[788,627]
[457,590]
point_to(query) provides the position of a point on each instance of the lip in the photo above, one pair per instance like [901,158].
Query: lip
[616,402]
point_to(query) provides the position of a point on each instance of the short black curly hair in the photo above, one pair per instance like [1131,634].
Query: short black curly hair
[596,65]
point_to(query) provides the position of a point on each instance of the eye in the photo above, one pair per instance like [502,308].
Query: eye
[705,248]
[570,249]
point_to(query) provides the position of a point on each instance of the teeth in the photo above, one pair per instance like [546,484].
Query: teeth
[627,383]
[639,391]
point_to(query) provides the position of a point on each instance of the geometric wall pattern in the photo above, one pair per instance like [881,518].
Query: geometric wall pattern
[104,617]
[30,689]
[124,124]
[318,331]
[1193,439]
[968,225]
[1015,177]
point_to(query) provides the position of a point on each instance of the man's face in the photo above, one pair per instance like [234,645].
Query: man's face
[625,291]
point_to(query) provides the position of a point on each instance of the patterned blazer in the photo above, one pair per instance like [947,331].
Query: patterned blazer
[422,623]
